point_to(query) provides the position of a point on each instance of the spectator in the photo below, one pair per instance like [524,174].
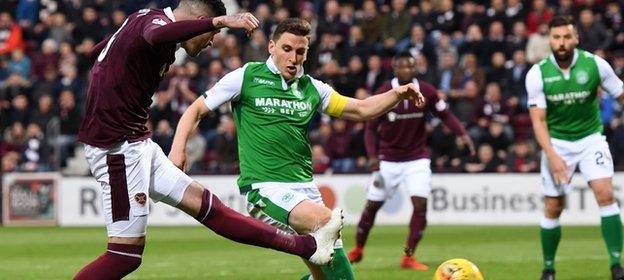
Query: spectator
[445,73]
[614,21]
[592,34]
[320,161]
[89,26]
[444,47]
[492,107]
[518,39]
[486,161]
[425,15]
[473,43]
[446,154]
[496,72]
[446,19]
[355,45]
[470,16]
[423,71]
[522,158]
[10,34]
[496,137]
[417,44]
[514,12]
[321,135]
[469,71]
[19,63]
[14,139]
[330,22]
[26,12]
[19,110]
[396,23]
[226,159]
[44,113]
[495,41]
[10,162]
[515,77]
[48,85]
[565,7]
[255,50]
[538,47]
[339,147]
[48,58]
[375,75]
[463,104]
[163,136]
[371,22]
[70,118]
[14,85]
[36,153]
[540,15]
[496,12]
[59,29]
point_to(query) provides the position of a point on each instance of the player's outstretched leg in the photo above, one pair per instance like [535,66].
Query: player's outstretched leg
[232,225]
[118,261]
[417,226]
[363,229]
[550,233]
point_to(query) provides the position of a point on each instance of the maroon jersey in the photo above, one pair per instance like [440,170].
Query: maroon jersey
[399,135]
[129,66]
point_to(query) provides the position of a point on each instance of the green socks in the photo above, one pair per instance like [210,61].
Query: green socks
[550,232]
[340,268]
[611,225]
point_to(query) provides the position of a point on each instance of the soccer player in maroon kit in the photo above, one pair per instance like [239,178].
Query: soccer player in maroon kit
[397,149]
[128,67]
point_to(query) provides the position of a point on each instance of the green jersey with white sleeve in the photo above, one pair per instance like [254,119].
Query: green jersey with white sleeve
[272,118]
[570,98]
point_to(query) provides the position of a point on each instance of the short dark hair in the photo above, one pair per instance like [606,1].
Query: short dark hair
[403,55]
[294,26]
[561,20]
[216,6]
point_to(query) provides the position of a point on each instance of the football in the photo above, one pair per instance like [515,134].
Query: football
[457,269]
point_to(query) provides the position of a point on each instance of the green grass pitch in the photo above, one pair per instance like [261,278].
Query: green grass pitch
[196,253]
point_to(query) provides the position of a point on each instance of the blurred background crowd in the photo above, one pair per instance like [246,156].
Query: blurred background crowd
[477,53]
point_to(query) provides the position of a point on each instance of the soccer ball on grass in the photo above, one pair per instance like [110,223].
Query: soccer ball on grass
[457,269]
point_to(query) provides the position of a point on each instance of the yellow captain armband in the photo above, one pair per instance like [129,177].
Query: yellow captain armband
[337,104]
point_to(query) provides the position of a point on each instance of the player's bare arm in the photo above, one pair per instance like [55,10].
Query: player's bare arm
[188,122]
[558,166]
[374,106]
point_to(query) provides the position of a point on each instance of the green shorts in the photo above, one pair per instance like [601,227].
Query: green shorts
[271,203]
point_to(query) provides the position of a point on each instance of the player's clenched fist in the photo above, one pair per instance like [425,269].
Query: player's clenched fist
[245,21]
[411,91]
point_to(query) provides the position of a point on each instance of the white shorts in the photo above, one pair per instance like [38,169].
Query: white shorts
[415,176]
[272,202]
[591,154]
[130,174]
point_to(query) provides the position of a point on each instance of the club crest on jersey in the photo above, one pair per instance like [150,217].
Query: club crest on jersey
[159,22]
[297,93]
[582,77]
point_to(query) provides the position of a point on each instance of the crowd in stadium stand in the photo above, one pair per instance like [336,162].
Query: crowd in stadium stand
[477,53]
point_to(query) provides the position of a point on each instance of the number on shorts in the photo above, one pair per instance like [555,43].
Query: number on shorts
[599,158]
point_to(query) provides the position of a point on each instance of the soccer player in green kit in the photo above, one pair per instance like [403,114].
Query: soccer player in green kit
[273,103]
[563,104]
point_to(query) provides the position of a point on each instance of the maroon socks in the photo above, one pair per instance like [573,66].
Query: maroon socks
[118,261]
[416,228]
[232,225]
[364,226]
